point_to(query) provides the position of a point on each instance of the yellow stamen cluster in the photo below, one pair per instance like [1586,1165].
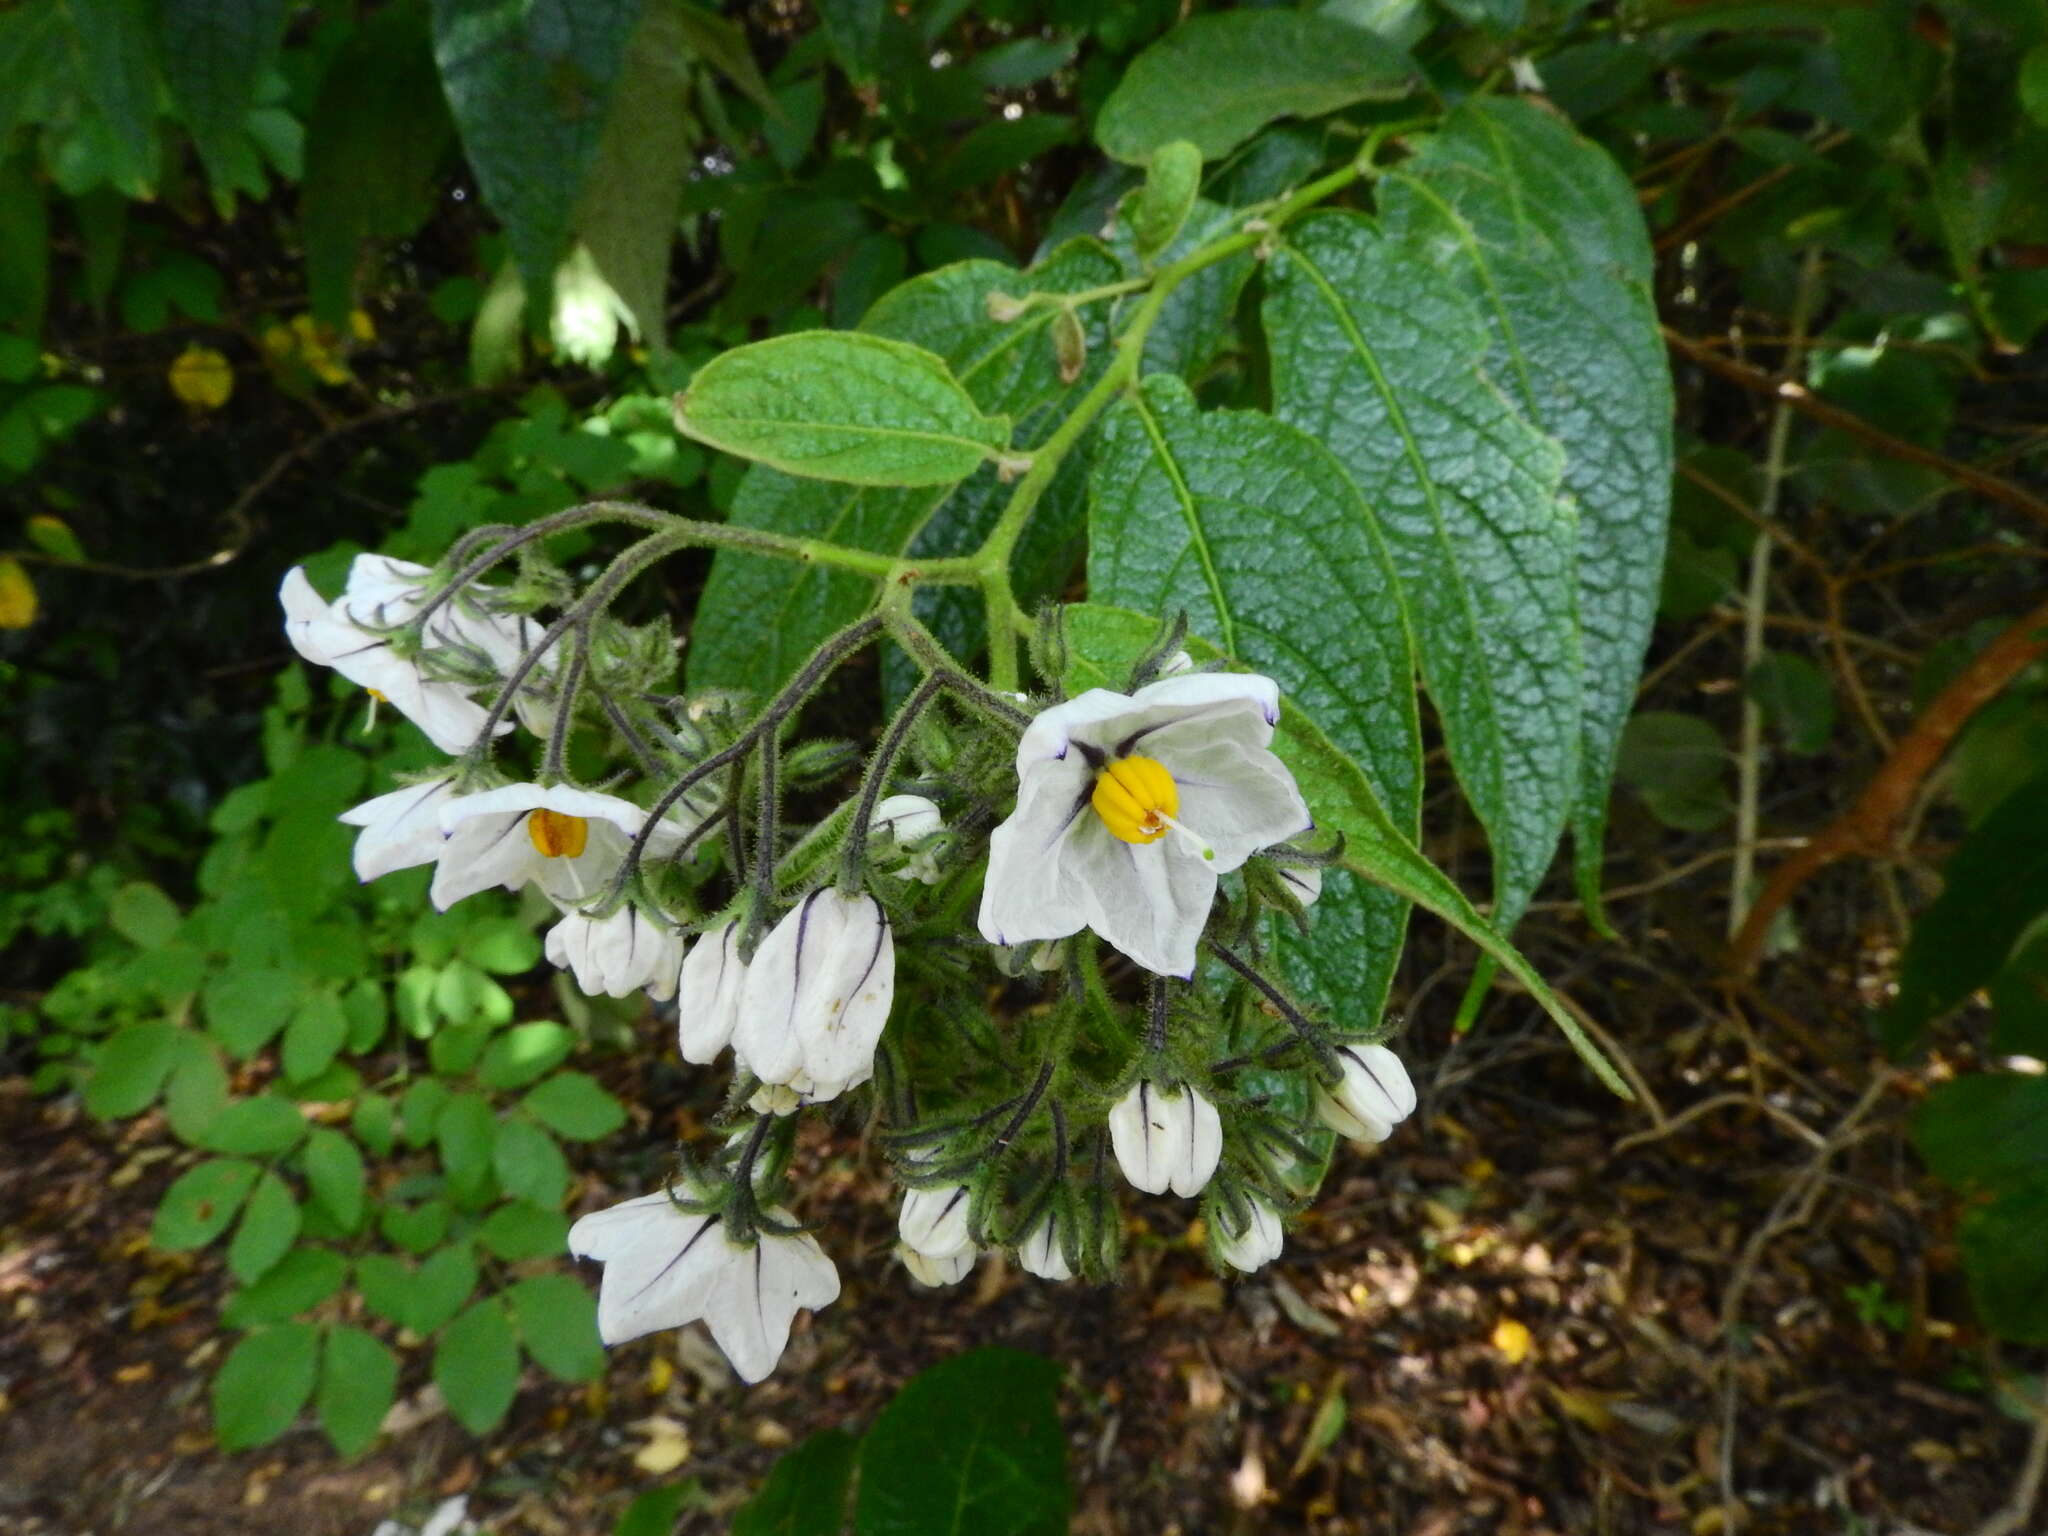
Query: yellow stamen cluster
[556,836]
[1136,799]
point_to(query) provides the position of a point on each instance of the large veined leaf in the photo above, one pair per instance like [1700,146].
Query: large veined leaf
[760,617]
[1378,355]
[1196,324]
[1254,531]
[1542,230]
[530,83]
[1216,80]
[840,405]
[1102,642]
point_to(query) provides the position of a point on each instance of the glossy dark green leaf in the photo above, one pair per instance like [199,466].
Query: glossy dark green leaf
[1994,886]
[531,86]
[263,1384]
[1380,356]
[805,1491]
[1217,79]
[971,1447]
[1544,234]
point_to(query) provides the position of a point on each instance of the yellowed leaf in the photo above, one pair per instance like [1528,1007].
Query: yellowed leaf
[202,378]
[1513,1340]
[17,596]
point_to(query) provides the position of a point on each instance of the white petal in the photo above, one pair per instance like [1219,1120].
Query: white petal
[1239,799]
[1195,1158]
[948,1269]
[1052,731]
[708,994]
[907,819]
[844,995]
[482,851]
[564,799]
[1304,881]
[1259,1243]
[1145,1128]
[401,829]
[660,1264]
[766,1034]
[1150,900]
[1027,894]
[758,1295]
[934,1221]
[1041,1254]
[1205,692]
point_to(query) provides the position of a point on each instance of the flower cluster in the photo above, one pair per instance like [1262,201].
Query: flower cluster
[1107,1015]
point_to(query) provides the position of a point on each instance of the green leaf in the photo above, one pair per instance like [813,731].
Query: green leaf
[2034,83]
[1662,749]
[1993,888]
[263,1384]
[805,1491]
[315,1034]
[528,1163]
[196,1092]
[523,1054]
[214,53]
[843,406]
[971,1447]
[244,1007]
[2019,1000]
[518,1230]
[476,1365]
[1544,233]
[1172,178]
[440,1287]
[114,52]
[531,86]
[654,1512]
[385,1284]
[2005,1254]
[143,915]
[557,1320]
[358,1383]
[334,1173]
[200,1203]
[270,1225]
[1218,79]
[574,1107]
[1378,355]
[375,143]
[301,1280]
[1798,699]
[1986,1130]
[464,1131]
[130,1069]
[255,1127]
[853,31]
[1231,517]
[1009,368]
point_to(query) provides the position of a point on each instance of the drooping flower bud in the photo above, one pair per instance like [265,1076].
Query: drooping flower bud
[1371,1098]
[926,1270]
[934,1221]
[906,821]
[1041,1254]
[1166,1137]
[1257,1243]
[708,993]
[1304,882]
[817,994]
[617,955]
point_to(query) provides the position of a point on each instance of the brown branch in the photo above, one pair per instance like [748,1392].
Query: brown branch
[1865,827]
[1807,403]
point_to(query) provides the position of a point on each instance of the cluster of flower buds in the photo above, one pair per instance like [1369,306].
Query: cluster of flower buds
[1156,823]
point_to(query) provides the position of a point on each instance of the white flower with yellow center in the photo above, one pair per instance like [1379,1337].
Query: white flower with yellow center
[568,841]
[1128,808]
[353,635]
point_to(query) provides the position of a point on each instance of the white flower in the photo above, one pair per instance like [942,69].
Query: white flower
[616,956]
[934,1221]
[817,994]
[708,995]
[949,1269]
[1177,663]
[907,820]
[1371,1098]
[1041,1254]
[400,829]
[352,635]
[664,1267]
[1258,1244]
[1166,1138]
[1130,806]
[450,1518]
[1304,881]
[568,841]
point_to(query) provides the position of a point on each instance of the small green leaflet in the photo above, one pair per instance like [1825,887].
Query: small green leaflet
[1215,80]
[1378,356]
[844,406]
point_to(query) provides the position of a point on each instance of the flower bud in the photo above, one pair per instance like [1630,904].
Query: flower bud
[1166,1138]
[1371,1098]
[708,994]
[1303,882]
[1254,1245]
[1003,308]
[906,821]
[775,1099]
[1041,1254]
[618,954]
[926,1270]
[817,994]
[934,1221]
